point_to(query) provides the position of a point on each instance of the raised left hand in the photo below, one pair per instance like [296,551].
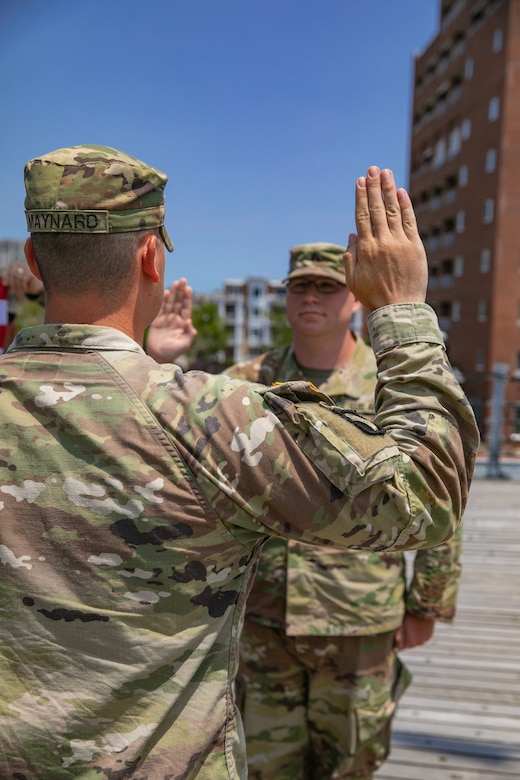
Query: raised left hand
[171,333]
[17,276]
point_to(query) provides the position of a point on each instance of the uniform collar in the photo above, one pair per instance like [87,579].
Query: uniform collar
[74,337]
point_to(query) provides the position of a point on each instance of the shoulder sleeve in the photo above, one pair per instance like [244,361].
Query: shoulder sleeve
[263,369]
[430,437]
[246,369]
[285,461]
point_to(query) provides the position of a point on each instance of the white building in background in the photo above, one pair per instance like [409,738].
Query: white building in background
[247,307]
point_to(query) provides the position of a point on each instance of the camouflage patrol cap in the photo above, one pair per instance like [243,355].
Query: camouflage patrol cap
[317,260]
[93,189]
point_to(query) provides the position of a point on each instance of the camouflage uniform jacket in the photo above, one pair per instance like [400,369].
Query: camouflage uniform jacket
[307,589]
[134,501]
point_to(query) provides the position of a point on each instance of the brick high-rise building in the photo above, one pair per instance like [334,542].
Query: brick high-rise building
[465,185]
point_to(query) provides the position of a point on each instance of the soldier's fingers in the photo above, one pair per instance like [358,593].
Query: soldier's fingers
[376,204]
[391,201]
[362,213]
[350,258]
[408,218]
[188,292]
[169,300]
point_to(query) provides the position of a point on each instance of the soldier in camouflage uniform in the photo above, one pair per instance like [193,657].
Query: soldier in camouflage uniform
[319,677]
[135,498]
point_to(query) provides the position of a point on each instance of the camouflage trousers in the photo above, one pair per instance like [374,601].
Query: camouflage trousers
[317,707]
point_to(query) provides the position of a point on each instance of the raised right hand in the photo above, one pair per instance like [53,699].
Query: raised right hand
[386,262]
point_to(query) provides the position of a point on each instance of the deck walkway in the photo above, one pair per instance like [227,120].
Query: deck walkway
[460,718]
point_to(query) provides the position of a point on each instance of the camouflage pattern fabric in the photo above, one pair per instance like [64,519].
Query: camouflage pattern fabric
[338,592]
[93,189]
[134,501]
[315,592]
[319,259]
[316,707]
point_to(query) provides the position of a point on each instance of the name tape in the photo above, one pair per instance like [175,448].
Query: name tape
[41,221]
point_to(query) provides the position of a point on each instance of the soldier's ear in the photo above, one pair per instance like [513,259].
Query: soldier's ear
[31,259]
[149,252]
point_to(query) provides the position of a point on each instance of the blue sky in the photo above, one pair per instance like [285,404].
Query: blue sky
[261,112]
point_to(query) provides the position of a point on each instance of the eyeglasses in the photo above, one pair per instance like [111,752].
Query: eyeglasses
[322,286]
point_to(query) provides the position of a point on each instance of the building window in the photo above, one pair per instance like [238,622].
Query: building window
[447,267]
[479,360]
[498,40]
[455,311]
[489,209]
[444,315]
[460,221]
[427,155]
[430,68]
[432,278]
[465,129]
[491,160]
[494,109]
[451,189]
[448,236]
[442,101]
[477,17]
[443,60]
[485,261]
[424,197]
[436,197]
[456,90]
[516,421]
[440,153]
[454,142]
[482,313]
[458,43]
[463,175]
[468,68]
[458,266]
[435,240]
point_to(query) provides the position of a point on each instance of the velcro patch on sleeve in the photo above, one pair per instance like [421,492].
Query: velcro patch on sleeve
[362,434]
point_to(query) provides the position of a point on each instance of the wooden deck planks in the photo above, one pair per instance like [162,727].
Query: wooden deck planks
[460,718]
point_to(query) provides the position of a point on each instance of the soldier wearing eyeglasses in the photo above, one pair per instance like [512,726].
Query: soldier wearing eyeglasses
[320,675]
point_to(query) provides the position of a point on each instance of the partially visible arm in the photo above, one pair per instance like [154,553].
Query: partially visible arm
[414,631]
[433,590]
[171,334]
[284,460]
[432,594]
[387,271]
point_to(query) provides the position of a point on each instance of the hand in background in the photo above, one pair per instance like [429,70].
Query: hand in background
[20,280]
[171,333]
[414,631]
